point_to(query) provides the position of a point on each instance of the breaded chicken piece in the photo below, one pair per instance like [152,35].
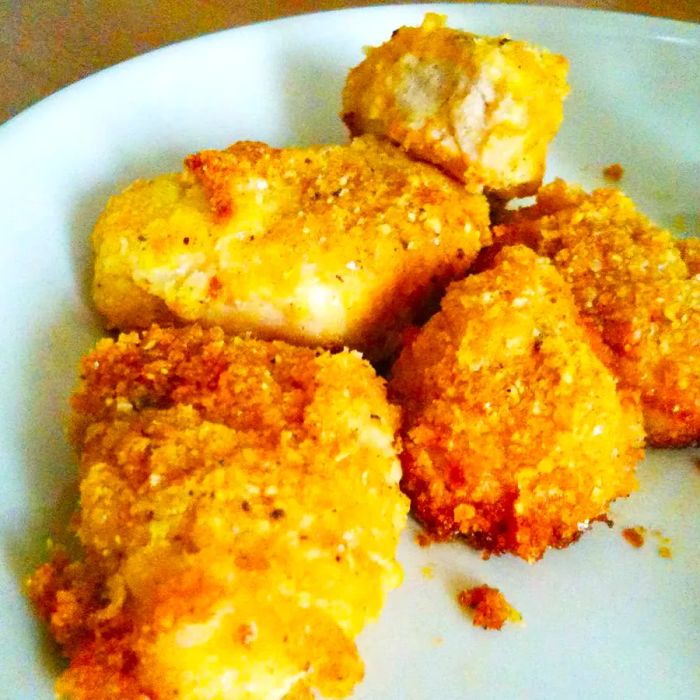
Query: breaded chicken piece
[482,108]
[240,512]
[334,245]
[631,283]
[514,432]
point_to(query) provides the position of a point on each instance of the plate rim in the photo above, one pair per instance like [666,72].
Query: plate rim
[43,112]
[657,28]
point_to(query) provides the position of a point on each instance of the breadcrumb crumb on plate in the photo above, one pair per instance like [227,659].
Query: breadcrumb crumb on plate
[613,172]
[634,535]
[482,108]
[515,434]
[240,513]
[489,607]
[329,245]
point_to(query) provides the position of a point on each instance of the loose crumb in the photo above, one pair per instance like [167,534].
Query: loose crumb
[490,608]
[665,552]
[427,572]
[423,539]
[614,172]
[634,535]
[663,542]
[438,641]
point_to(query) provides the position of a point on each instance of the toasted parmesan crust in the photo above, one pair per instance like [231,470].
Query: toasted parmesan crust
[334,246]
[630,281]
[240,513]
[482,108]
[514,432]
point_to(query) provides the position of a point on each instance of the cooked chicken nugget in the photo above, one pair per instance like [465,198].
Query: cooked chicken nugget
[335,246]
[482,108]
[514,432]
[630,281]
[240,512]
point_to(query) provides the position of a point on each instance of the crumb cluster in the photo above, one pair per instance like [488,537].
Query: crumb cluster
[488,606]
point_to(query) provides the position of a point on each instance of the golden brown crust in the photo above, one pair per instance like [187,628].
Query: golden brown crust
[630,282]
[240,512]
[329,245]
[214,171]
[484,109]
[514,433]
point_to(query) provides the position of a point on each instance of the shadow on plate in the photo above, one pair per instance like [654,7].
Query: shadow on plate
[48,464]
[66,327]
[311,100]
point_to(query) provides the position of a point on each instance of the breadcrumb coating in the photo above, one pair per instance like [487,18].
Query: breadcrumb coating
[690,252]
[482,108]
[630,281]
[329,245]
[240,513]
[489,607]
[514,432]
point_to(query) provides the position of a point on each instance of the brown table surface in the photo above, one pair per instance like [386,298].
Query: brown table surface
[46,44]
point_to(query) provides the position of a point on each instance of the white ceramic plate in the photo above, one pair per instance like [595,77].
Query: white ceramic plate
[602,620]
